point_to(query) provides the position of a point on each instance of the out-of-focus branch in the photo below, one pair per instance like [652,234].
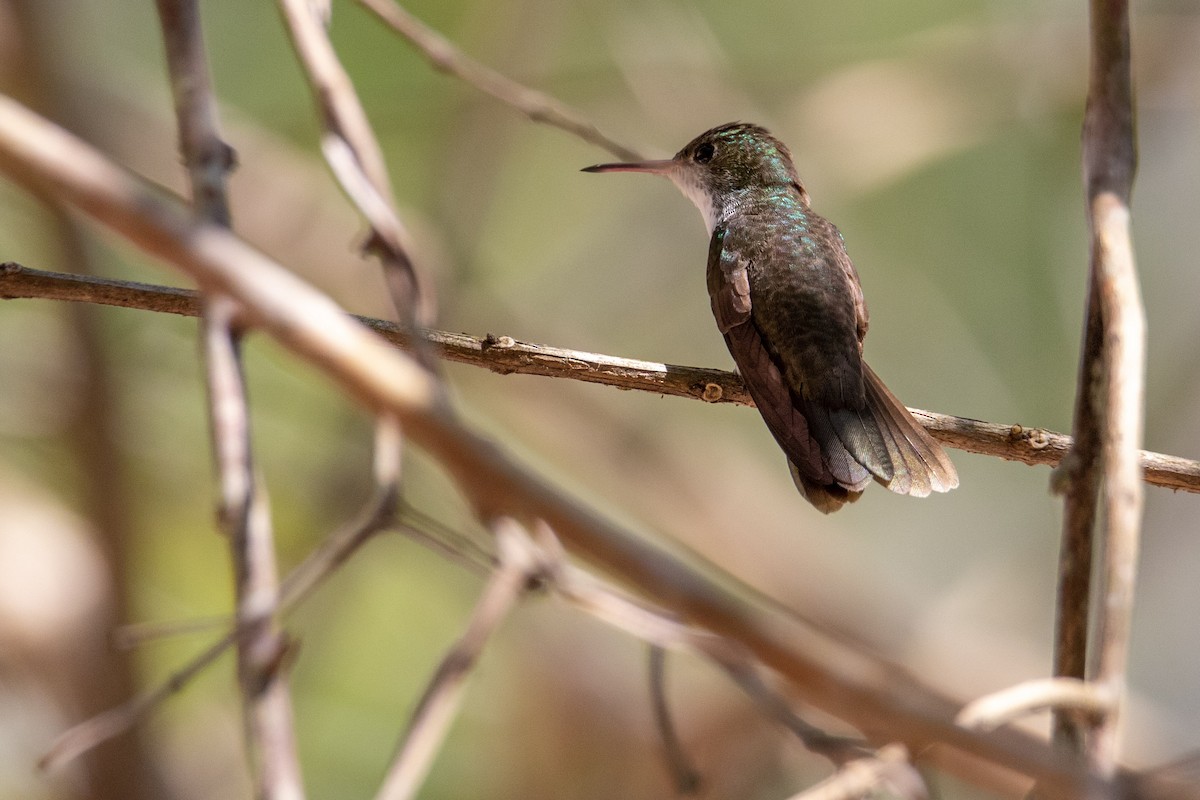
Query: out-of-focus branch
[92,732]
[353,153]
[506,355]
[378,514]
[1105,462]
[889,771]
[827,670]
[537,106]
[1009,705]
[442,697]
[243,512]
[684,774]
[77,670]
[659,629]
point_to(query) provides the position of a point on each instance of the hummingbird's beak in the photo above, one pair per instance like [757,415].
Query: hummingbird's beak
[663,167]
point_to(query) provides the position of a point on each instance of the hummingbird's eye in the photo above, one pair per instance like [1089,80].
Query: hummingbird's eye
[705,153]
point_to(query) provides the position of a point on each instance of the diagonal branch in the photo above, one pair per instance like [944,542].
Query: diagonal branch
[661,631]
[442,697]
[354,156]
[537,106]
[505,355]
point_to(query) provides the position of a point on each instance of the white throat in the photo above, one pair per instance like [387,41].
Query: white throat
[693,190]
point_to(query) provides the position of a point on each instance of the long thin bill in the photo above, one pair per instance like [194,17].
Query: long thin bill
[654,167]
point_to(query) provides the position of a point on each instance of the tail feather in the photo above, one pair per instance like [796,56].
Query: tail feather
[826,498]
[911,474]
[881,441]
[927,466]
[861,435]
[844,461]
[902,477]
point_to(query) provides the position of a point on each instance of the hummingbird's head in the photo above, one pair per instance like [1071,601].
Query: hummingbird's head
[713,169]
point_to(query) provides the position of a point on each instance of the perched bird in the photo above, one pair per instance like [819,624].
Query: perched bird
[787,299]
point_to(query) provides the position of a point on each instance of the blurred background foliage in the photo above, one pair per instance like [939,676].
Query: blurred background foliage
[942,137]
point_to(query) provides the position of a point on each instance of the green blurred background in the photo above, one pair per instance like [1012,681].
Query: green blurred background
[942,137]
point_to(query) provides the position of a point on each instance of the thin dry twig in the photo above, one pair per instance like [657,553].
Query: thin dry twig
[354,156]
[445,540]
[91,733]
[826,670]
[377,515]
[659,629]
[506,355]
[1007,705]
[889,768]
[683,772]
[1109,402]
[267,708]
[537,106]
[441,699]
[133,635]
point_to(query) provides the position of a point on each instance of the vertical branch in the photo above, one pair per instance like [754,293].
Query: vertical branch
[1080,475]
[1109,407]
[1110,160]
[243,513]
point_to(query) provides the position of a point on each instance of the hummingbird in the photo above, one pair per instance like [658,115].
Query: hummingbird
[787,299]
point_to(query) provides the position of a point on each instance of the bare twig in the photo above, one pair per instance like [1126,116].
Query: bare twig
[438,705]
[1000,708]
[506,355]
[1079,479]
[889,768]
[1109,158]
[537,106]
[133,635]
[661,631]
[267,708]
[1109,405]
[685,775]
[377,515]
[93,732]
[826,670]
[453,544]
[354,156]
